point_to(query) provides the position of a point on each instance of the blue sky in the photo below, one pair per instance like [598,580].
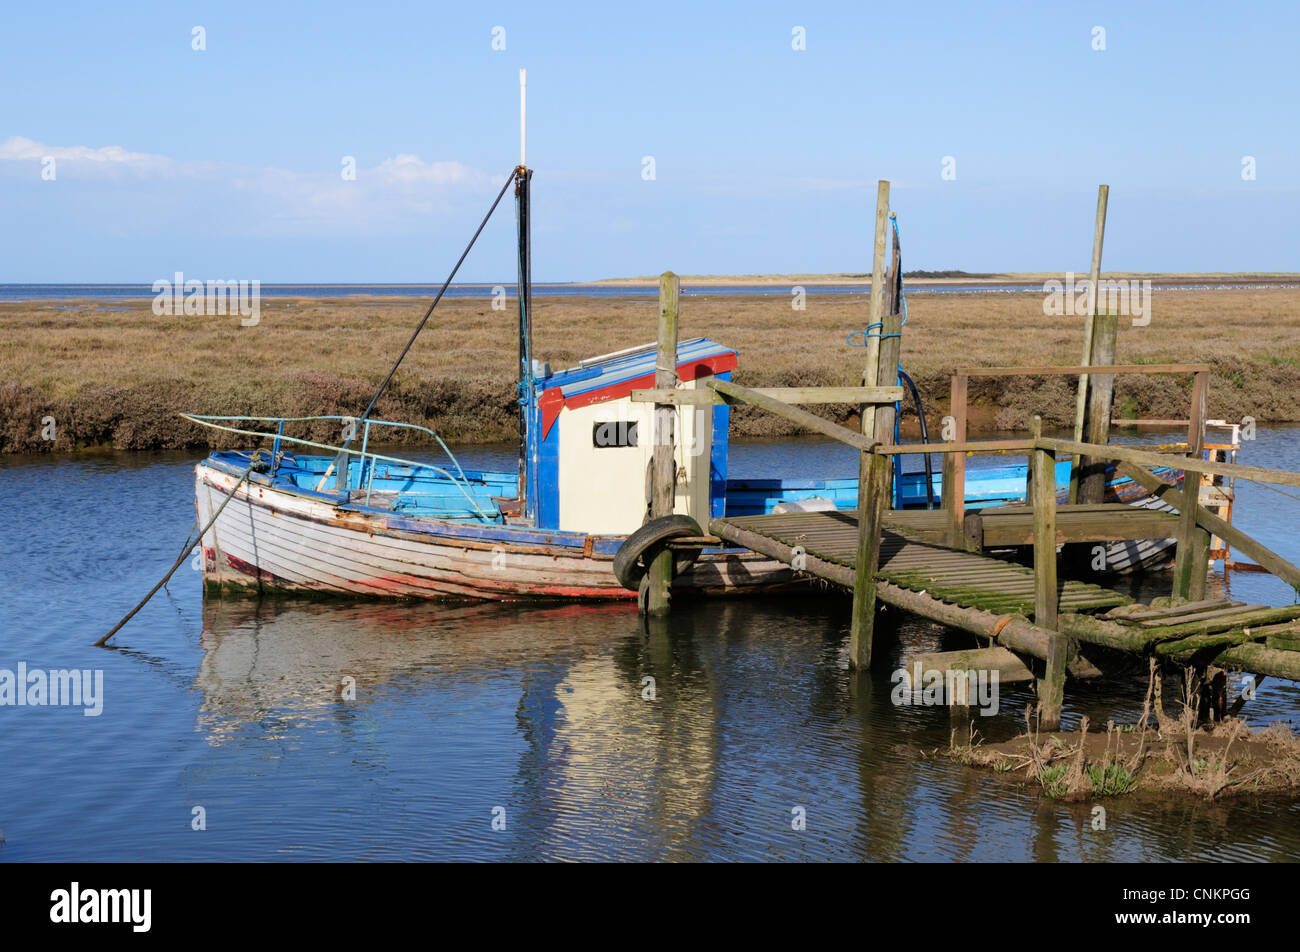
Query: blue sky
[226,162]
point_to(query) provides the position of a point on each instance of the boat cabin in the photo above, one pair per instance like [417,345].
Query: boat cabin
[590,446]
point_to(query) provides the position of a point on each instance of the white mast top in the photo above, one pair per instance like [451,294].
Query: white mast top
[523,87]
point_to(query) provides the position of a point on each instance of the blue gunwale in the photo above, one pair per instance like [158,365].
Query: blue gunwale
[469,528]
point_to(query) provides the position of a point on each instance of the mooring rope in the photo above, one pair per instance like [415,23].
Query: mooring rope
[183,556]
[1279,491]
[189,544]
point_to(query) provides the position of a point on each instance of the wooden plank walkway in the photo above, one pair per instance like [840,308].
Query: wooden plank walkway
[1007,526]
[966,579]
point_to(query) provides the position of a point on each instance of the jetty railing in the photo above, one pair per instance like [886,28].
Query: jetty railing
[1087,478]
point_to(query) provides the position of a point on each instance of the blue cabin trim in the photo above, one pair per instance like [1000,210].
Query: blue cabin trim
[718,457]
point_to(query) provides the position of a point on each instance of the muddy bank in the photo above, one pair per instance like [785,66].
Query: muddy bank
[78,374]
[1223,760]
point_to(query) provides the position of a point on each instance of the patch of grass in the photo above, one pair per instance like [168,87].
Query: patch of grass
[1110,780]
[1053,780]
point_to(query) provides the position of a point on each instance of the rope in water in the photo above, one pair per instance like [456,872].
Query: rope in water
[180,561]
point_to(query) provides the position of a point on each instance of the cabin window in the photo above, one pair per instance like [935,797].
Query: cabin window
[614,433]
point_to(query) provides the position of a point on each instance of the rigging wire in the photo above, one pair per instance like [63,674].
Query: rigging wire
[427,314]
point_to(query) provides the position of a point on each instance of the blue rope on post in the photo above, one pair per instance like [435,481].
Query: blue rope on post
[879,325]
[867,335]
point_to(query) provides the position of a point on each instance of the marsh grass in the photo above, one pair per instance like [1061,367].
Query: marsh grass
[119,377]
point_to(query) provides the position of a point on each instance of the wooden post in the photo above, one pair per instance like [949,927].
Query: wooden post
[871,468]
[1101,391]
[1191,560]
[1051,686]
[1043,464]
[953,485]
[663,479]
[1094,278]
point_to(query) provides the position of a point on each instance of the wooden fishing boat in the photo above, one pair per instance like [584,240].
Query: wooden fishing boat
[384,526]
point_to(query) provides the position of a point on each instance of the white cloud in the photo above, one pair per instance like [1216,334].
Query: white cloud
[20,148]
[410,169]
[400,191]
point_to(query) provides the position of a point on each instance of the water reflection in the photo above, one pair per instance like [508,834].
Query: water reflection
[752,719]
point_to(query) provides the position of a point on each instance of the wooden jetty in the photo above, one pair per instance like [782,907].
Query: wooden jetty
[937,563]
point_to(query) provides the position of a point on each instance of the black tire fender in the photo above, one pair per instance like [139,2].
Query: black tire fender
[632,559]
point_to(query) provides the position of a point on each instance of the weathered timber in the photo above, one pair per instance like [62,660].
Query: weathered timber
[972,446]
[1121,637]
[1009,667]
[875,484]
[1089,358]
[1267,558]
[1193,551]
[1139,612]
[1051,686]
[1164,621]
[663,464]
[1004,526]
[1108,634]
[784,394]
[1043,466]
[953,485]
[738,394]
[1241,620]
[1147,458]
[1260,659]
[1046,370]
[1189,646]
[1091,470]
[866,561]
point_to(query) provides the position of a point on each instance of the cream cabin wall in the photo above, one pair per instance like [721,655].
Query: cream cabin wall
[603,489]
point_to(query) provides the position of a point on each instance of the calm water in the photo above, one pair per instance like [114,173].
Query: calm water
[100,292]
[233,706]
[118,292]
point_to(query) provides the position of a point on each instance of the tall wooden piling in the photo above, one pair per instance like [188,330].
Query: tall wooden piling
[953,487]
[663,466]
[872,470]
[1094,280]
[1192,556]
[1051,686]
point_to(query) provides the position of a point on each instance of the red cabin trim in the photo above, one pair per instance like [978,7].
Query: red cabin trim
[552,401]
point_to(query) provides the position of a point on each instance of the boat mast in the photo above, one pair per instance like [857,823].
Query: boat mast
[526,401]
